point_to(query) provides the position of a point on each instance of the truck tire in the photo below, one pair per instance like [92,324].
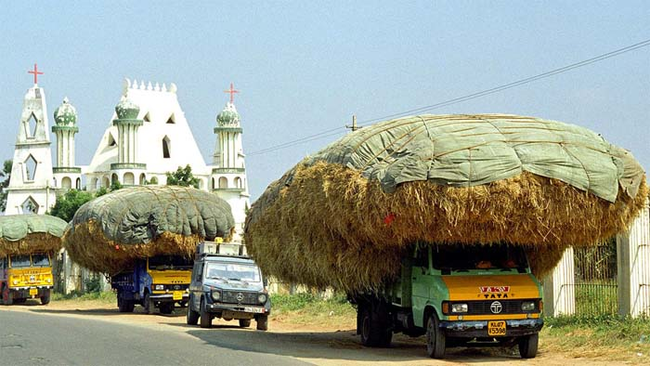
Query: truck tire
[374,331]
[435,338]
[205,317]
[7,296]
[149,306]
[125,306]
[244,323]
[262,322]
[166,307]
[528,346]
[45,298]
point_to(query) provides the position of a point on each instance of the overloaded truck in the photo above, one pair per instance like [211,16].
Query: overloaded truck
[439,225]
[228,285]
[145,239]
[478,296]
[27,244]
[156,282]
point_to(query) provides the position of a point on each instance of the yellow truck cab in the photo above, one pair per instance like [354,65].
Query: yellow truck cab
[25,276]
[457,296]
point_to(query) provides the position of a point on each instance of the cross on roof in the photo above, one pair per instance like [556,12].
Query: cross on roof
[232,92]
[36,73]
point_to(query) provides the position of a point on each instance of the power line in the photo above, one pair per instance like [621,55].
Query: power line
[464,98]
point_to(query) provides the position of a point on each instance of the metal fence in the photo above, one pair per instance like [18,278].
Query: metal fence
[596,288]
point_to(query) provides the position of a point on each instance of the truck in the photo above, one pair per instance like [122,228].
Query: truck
[25,276]
[155,282]
[456,295]
[226,284]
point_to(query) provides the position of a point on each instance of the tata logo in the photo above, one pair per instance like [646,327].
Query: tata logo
[496,307]
[495,292]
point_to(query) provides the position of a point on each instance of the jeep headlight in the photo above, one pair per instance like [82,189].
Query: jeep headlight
[159,287]
[262,298]
[528,305]
[459,308]
[216,295]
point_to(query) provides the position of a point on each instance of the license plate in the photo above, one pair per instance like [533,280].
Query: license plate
[253,310]
[497,328]
[33,291]
[177,295]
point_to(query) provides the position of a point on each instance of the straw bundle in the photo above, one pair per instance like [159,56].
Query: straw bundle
[110,232]
[330,224]
[26,234]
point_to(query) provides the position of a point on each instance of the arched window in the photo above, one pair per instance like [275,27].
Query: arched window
[78,184]
[106,182]
[114,179]
[213,185]
[30,168]
[143,179]
[29,206]
[237,182]
[223,182]
[66,183]
[166,147]
[54,180]
[129,179]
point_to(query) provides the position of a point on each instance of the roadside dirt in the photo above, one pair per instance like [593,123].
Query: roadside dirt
[321,345]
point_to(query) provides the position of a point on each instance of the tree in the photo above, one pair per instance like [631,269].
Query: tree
[6,175]
[182,177]
[68,204]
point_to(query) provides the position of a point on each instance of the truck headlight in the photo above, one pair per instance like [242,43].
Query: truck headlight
[49,280]
[15,282]
[216,295]
[528,305]
[159,287]
[262,298]
[458,308]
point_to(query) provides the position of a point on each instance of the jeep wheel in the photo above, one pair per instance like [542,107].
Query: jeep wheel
[244,323]
[262,322]
[205,317]
[528,346]
[435,338]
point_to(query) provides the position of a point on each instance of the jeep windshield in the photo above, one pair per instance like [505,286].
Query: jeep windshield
[170,262]
[233,272]
[479,257]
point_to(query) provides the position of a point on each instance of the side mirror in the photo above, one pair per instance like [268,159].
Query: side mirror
[265,282]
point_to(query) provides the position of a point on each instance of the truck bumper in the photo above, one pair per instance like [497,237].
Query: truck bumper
[236,311]
[30,292]
[478,329]
[168,297]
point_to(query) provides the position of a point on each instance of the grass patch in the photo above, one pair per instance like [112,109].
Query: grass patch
[606,337]
[104,296]
[310,309]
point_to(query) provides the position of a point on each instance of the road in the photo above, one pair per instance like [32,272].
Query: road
[49,335]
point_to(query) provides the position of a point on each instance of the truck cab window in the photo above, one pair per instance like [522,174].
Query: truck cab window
[41,260]
[421,258]
[20,261]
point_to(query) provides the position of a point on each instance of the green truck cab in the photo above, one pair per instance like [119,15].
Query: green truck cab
[458,296]
[228,285]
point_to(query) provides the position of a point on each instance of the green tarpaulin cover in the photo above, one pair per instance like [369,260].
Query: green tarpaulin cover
[469,150]
[17,227]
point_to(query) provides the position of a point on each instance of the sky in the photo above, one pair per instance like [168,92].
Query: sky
[305,67]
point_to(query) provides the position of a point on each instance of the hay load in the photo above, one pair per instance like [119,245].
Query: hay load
[345,216]
[27,234]
[110,232]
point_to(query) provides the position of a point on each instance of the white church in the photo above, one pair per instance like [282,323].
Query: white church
[147,137]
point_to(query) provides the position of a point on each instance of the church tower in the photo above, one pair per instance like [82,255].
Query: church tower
[228,178]
[66,174]
[30,188]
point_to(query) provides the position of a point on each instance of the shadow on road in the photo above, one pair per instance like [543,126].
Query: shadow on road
[100,311]
[339,345]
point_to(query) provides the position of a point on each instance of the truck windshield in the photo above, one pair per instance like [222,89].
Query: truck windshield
[233,271]
[20,261]
[467,257]
[41,260]
[170,262]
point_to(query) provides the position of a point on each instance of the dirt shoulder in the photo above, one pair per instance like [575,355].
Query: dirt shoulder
[322,342]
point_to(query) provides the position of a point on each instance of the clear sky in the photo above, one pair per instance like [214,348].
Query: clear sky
[304,67]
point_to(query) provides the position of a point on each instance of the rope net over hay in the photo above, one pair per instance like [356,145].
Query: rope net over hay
[27,234]
[110,232]
[325,223]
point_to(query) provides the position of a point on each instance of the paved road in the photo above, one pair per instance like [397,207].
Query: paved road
[28,338]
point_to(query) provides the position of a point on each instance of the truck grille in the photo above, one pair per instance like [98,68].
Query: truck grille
[508,307]
[248,298]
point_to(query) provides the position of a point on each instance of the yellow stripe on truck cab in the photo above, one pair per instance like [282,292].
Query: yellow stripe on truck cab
[489,287]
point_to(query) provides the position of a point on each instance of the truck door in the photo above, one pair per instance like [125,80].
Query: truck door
[420,279]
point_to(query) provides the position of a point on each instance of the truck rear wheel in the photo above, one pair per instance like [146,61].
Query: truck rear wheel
[435,338]
[125,306]
[373,334]
[205,317]
[528,346]
[45,298]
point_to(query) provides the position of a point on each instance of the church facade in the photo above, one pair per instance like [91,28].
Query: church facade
[147,136]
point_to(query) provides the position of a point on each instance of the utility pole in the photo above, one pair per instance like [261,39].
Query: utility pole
[354,126]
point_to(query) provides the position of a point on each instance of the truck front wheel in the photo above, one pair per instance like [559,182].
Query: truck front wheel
[206,318]
[435,338]
[149,306]
[372,332]
[528,346]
